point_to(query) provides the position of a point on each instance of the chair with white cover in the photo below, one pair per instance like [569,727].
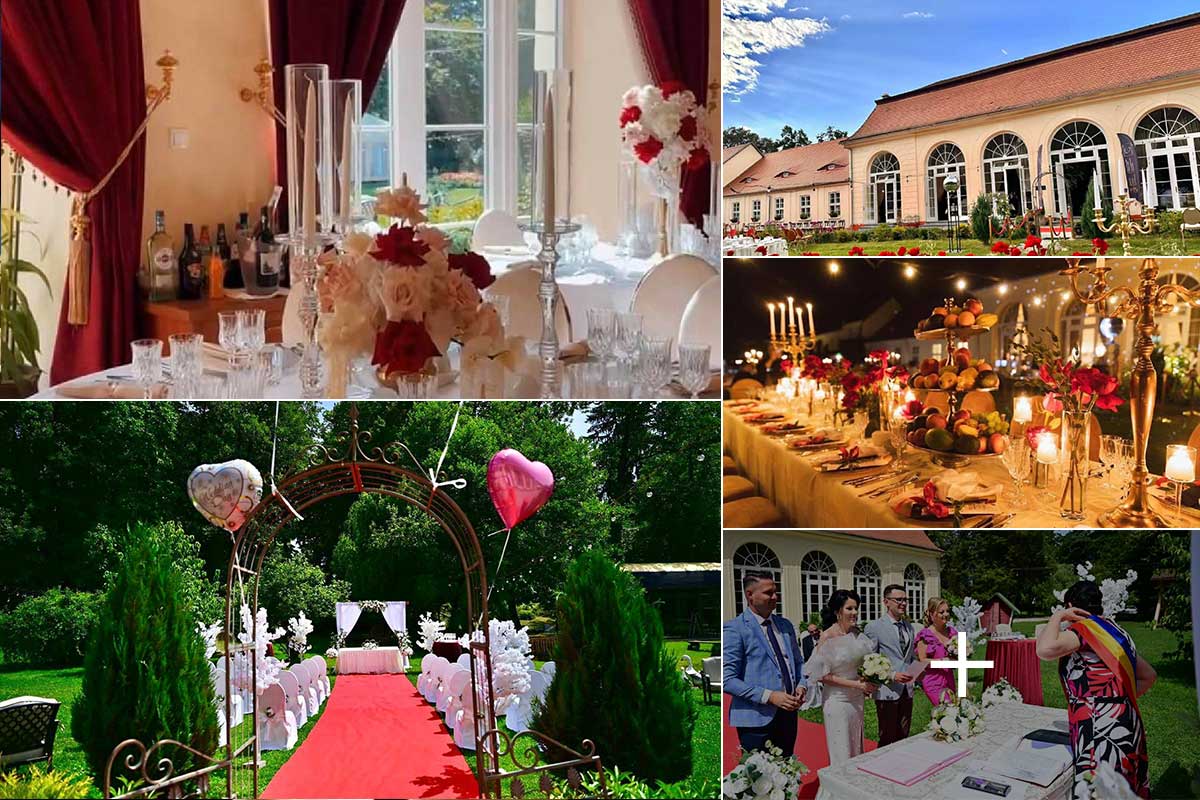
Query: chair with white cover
[296,702]
[520,712]
[276,724]
[438,674]
[455,687]
[423,678]
[445,693]
[549,669]
[663,294]
[322,679]
[745,389]
[701,320]
[711,669]
[312,691]
[464,721]
[1191,222]
[236,707]
[540,684]
[464,660]
[519,283]
[496,228]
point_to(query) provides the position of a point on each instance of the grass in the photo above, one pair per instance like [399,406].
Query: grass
[65,684]
[1168,709]
[1159,244]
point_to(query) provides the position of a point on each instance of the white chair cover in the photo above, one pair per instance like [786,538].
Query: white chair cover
[237,708]
[464,661]
[700,323]
[520,713]
[464,722]
[308,686]
[520,285]
[496,228]
[457,681]
[663,293]
[444,690]
[423,678]
[712,668]
[689,671]
[549,668]
[296,701]
[322,679]
[540,683]
[276,724]
[436,663]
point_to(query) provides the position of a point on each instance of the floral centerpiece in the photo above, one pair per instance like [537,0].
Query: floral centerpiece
[369,644]
[429,630]
[955,721]
[876,668]
[402,297]
[404,643]
[862,392]
[760,775]
[999,693]
[300,627]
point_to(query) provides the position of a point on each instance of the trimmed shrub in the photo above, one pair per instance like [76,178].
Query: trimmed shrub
[43,783]
[881,233]
[50,629]
[981,217]
[610,645]
[145,676]
[843,235]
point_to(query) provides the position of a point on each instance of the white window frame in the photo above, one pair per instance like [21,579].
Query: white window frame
[736,216]
[868,582]
[758,558]
[915,589]
[1006,155]
[756,211]
[835,205]
[939,165]
[885,180]
[817,585]
[1169,147]
[778,209]
[805,207]
[500,128]
[1074,143]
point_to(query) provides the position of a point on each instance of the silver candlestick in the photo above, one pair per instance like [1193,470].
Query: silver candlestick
[548,346]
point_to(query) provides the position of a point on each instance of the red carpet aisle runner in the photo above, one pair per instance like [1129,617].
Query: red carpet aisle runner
[377,738]
[810,749]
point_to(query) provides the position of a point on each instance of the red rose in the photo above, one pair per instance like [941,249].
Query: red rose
[856,251]
[403,347]
[475,267]
[1000,247]
[728,252]
[1032,241]
[932,504]
[696,159]
[1015,250]
[761,249]
[630,114]
[1108,402]
[648,150]
[1044,374]
[1101,246]
[1032,432]
[672,87]
[687,128]
[903,251]
[914,251]
[399,246]
[941,252]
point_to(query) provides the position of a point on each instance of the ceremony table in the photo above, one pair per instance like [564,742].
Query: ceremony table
[359,661]
[448,650]
[812,499]
[1003,728]
[1016,661]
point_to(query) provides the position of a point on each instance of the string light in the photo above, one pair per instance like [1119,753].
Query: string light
[961,284]
[1002,289]
[910,272]
[834,268]
[1037,300]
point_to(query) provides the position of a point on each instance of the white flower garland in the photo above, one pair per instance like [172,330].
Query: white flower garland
[953,722]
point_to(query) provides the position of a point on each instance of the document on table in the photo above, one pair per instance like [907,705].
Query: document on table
[1040,767]
[913,761]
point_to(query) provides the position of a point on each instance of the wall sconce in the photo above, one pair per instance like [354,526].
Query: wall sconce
[263,95]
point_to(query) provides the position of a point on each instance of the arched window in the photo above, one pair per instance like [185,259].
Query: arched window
[1167,141]
[753,557]
[1182,325]
[946,159]
[1080,331]
[914,587]
[868,582]
[817,578]
[883,197]
[1011,326]
[1006,170]
[1078,162]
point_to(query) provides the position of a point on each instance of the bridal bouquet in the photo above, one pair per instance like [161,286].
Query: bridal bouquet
[952,648]
[369,644]
[1000,693]
[764,776]
[953,722]
[876,668]
[665,128]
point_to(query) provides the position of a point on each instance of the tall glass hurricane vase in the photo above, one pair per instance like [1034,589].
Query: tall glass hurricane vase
[1076,437]
[665,184]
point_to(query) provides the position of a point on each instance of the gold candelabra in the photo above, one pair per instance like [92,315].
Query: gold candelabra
[1140,305]
[799,345]
[1123,221]
[263,70]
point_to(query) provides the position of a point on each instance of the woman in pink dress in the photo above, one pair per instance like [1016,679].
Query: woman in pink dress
[933,643]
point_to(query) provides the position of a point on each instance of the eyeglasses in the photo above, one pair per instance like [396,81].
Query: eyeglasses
[897,599]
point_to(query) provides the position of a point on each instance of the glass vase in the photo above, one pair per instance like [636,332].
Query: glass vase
[1076,433]
[629,239]
[665,185]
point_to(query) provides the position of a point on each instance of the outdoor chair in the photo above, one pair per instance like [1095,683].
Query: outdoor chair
[549,669]
[276,724]
[322,679]
[464,721]
[457,681]
[27,729]
[1191,222]
[307,675]
[445,691]
[296,701]
[711,668]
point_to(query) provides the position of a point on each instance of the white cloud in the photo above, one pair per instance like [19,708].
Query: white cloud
[844,18]
[917,15]
[742,40]
[1002,50]
[759,8]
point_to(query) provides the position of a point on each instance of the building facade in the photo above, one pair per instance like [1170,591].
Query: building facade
[809,565]
[803,186]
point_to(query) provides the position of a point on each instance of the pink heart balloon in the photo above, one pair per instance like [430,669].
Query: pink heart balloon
[518,486]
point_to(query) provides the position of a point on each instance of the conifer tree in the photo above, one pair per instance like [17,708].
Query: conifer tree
[615,683]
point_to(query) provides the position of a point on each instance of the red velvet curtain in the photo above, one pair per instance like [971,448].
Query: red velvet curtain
[674,37]
[74,93]
[352,36]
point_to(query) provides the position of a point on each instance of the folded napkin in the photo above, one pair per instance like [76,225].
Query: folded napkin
[111,390]
[818,437]
[781,427]
[858,455]
[964,486]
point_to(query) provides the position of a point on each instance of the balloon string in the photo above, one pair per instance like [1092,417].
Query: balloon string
[457,483]
[496,576]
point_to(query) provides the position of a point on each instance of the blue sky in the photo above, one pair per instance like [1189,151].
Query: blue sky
[827,62]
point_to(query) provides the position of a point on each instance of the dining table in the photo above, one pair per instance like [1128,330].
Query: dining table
[1015,660]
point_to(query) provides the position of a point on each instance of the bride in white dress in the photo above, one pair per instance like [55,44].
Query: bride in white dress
[833,678]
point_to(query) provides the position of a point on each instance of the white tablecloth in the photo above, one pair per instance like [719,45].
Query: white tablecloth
[811,499]
[1004,727]
[356,661]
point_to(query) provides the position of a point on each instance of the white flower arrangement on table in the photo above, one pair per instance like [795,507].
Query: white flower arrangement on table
[1114,593]
[404,643]
[999,693]
[429,631]
[876,668]
[666,129]
[953,722]
[760,775]
[331,652]
[300,627]
[369,644]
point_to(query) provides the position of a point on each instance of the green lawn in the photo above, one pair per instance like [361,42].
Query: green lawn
[1168,710]
[1159,244]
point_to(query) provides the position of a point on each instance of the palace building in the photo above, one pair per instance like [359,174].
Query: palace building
[1041,131]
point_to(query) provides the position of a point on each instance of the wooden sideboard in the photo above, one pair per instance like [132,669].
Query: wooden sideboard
[161,320]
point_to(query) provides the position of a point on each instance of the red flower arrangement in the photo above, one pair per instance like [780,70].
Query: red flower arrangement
[403,347]
[856,251]
[1069,386]
[761,250]
[400,246]
[648,150]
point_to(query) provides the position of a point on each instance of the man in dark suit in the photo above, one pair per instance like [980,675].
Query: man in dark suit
[808,642]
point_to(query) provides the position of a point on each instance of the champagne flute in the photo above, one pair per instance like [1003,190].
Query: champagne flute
[898,430]
[1017,459]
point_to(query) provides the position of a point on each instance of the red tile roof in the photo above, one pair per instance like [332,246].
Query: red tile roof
[918,539]
[1161,51]
[813,164]
[729,152]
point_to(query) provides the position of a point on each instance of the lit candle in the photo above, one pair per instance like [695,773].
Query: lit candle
[1022,410]
[1181,463]
[800,321]
[792,315]
[1047,449]
[811,327]
[548,159]
[309,207]
[909,396]
[771,314]
[347,135]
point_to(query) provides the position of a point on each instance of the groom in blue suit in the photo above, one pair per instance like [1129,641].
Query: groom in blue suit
[763,670]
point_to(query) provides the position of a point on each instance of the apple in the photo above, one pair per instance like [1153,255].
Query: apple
[965,320]
[974,306]
[937,421]
[997,443]
[929,366]
[952,320]
[961,415]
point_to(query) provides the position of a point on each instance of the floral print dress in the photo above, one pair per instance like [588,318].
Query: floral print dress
[1105,723]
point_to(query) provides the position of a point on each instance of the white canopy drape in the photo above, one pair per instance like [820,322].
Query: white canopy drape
[347,615]
[394,616]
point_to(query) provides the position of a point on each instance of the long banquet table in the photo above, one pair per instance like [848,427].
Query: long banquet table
[1003,728]
[812,499]
[375,661]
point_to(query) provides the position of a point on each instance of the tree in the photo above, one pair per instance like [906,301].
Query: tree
[737,135]
[830,134]
[145,675]
[1021,565]
[615,683]
[291,584]
[790,137]
[1087,218]
[981,218]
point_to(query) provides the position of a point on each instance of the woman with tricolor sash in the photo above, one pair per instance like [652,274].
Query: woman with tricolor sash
[1102,678]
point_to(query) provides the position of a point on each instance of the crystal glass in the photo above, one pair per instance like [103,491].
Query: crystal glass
[247,377]
[585,381]
[187,362]
[415,386]
[229,332]
[897,428]
[1017,459]
[252,323]
[602,325]
[147,364]
[694,373]
[653,364]
[271,362]
[1180,470]
[628,336]
[618,383]
[1109,450]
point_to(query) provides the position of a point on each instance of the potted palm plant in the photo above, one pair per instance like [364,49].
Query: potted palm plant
[19,341]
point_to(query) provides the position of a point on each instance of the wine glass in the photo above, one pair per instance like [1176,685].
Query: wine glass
[1109,447]
[601,324]
[628,336]
[897,426]
[1017,459]
[252,323]
[694,367]
[229,333]
[654,364]
[187,352]
[147,364]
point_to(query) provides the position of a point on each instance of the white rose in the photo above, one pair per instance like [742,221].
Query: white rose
[632,96]
[762,786]
[777,794]
[405,293]
[462,296]
[359,243]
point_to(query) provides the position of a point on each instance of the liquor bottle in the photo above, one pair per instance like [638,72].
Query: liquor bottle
[205,244]
[161,280]
[216,275]
[231,268]
[191,267]
[267,255]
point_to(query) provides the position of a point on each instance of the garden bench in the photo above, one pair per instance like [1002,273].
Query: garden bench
[28,726]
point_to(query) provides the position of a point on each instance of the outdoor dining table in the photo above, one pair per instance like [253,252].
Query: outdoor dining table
[1016,661]
[810,498]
